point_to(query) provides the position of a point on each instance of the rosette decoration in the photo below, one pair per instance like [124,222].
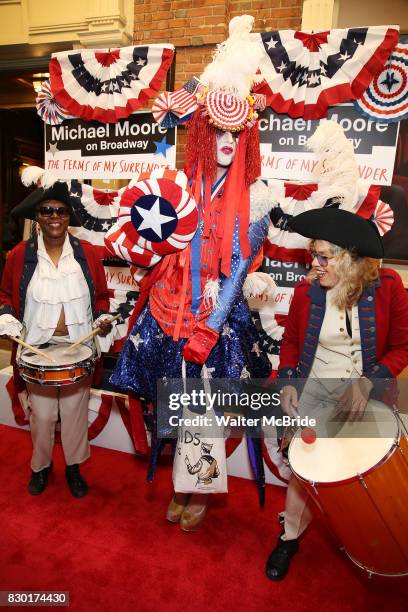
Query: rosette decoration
[157,216]
[48,108]
[386,98]
[172,108]
[108,85]
[305,73]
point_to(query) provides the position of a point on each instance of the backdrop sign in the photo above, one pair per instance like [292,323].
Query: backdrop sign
[89,149]
[284,154]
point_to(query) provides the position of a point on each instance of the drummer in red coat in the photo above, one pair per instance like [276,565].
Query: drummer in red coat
[54,285]
[347,321]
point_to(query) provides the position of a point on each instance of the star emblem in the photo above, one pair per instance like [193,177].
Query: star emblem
[344,56]
[162,146]
[390,81]
[105,226]
[132,302]
[255,349]
[153,219]
[271,44]
[140,62]
[136,341]
[53,149]
[313,79]
[282,67]
[226,330]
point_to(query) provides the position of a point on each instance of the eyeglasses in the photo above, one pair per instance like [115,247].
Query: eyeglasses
[322,259]
[48,211]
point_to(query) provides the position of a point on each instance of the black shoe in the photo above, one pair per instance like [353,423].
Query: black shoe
[278,561]
[76,482]
[39,480]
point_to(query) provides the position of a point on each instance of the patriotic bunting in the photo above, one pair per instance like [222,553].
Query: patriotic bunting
[108,85]
[386,98]
[158,216]
[172,108]
[293,199]
[305,73]
[48,108]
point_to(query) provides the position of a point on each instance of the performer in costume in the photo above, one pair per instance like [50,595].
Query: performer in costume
[54,285]
[347,322]
[196,317]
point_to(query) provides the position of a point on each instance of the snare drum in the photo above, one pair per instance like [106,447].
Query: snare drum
[68,368]
[361,486]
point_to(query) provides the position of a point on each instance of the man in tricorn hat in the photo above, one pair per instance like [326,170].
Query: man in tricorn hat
[54,285]
[347,321]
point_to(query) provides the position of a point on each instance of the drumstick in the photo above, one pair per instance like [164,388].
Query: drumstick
[88,336]
[33,349]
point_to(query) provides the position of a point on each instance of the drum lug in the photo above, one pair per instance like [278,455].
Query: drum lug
[362,481]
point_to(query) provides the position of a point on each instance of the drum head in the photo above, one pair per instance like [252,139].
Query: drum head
[341,458]
[57,353]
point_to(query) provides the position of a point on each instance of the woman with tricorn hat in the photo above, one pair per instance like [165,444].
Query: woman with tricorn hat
[54,285]
[347,321]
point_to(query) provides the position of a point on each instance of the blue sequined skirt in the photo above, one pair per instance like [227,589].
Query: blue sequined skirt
[149,354]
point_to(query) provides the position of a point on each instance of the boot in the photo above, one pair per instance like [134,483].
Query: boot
[278,562]
[76,482]
[39,481]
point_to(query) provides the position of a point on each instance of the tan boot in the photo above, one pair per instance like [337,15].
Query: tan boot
[177,506]
[194,513]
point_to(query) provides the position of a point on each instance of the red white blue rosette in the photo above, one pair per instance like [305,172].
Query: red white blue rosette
[227,112]
[108,85]
[386,98]
[306,72]
[48,108]
[174,107]
[157,216]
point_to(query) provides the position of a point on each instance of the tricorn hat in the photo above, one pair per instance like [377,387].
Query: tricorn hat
[58,191]
[342,228]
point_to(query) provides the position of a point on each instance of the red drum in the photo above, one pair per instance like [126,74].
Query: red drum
[360,485]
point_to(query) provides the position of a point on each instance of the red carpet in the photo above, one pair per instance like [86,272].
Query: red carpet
[113,550]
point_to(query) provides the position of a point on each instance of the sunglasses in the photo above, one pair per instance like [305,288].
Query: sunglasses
[48,211]
[322,259]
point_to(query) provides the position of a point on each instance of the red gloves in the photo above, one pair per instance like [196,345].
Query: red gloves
[200,344]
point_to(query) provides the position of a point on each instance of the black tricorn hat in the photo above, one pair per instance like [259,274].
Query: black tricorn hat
[58,191]
[342,228]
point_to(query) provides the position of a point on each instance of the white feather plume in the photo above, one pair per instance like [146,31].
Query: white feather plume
[336,170]
[31,175]
[235,61]
[34,175]
[48,179]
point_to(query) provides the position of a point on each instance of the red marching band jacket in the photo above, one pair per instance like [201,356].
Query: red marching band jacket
[19,269]
[383,317]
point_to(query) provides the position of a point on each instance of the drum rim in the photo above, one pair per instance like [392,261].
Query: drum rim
[55,367]
[358,476]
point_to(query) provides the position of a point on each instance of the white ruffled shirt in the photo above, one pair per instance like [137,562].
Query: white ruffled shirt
[53,287]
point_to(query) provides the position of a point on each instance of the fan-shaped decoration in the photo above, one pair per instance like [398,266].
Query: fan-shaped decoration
[48,108]
[386,98]
[172,108]
[97,209]
[157,216]
[383,217]
[305,73]
[293,198]
[108,85]
[227,112]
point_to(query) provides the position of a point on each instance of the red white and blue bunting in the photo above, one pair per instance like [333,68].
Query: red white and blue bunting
[48,108]
[108,85]
[386,98]
[305,73]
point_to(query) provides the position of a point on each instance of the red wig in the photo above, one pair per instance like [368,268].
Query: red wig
[202,147]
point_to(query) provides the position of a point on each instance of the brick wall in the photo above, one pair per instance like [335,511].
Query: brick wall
[196,26]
